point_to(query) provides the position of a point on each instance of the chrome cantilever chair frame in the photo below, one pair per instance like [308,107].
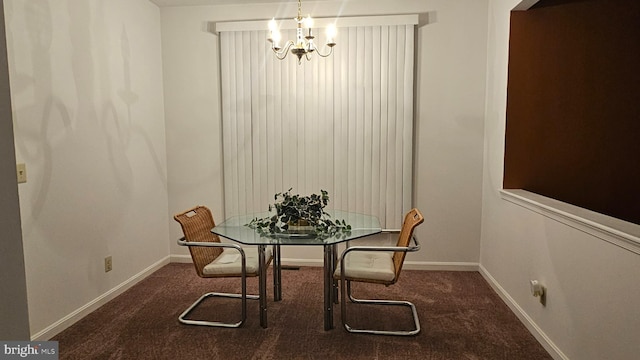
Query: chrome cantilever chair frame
[343,281]
[243,296]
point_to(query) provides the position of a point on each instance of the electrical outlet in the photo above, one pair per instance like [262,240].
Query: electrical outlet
[22,173]
[108,264]
[538,290]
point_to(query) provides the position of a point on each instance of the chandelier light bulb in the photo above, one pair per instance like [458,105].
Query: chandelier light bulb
[331,33]
[273,25]
[308,22]
[276,37]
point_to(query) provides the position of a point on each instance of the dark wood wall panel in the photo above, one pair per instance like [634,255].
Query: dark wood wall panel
[573,104]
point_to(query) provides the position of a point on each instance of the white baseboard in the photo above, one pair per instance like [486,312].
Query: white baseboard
[440,266]
[408,265]
[184,259]
[303,262]
[83,311]
[528,322]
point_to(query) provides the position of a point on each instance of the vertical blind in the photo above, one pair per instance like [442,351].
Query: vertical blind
[342,123]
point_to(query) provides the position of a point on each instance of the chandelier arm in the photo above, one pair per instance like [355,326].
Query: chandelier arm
[324,55]
[284,52]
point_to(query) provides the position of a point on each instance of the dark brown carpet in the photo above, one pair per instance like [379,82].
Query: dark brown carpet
[461,318]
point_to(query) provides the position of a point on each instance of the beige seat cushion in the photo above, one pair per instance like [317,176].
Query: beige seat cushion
[374,265]
[230,262]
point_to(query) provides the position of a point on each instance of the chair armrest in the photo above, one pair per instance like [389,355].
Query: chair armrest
[182,242]
[416,247]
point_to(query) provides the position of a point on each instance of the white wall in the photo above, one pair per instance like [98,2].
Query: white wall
[13,285]
[450,75]
[593,289]
[86,82]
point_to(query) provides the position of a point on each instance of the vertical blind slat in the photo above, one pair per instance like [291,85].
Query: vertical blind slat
[384,123]
[399,124]
[270,118]
[352,121]
[341,113]
[376,120]
[367,160]
[391,143]
[226,109]
[254,120]
[408,117]
[233,125]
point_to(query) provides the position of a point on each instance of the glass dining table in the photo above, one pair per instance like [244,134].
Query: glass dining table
[236,229]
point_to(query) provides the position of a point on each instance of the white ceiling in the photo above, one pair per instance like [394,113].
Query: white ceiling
[162,3]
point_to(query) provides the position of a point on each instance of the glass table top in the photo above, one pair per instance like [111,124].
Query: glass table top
[235,229]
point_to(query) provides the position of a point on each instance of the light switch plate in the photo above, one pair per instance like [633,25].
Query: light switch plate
[108,264]
[22,173]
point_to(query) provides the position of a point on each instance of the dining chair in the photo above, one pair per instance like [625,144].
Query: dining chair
[379,265]
[215,259]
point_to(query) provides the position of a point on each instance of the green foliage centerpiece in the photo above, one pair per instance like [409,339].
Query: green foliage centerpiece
[300,215]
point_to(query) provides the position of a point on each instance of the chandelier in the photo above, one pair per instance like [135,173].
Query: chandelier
[303,46]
